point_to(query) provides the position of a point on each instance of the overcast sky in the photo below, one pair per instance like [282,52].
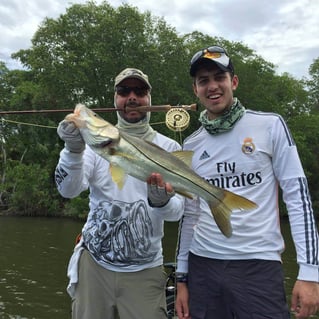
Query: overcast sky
[284,32]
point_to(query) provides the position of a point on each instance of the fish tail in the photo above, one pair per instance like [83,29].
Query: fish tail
[223,210]
[221,215]
[235,202]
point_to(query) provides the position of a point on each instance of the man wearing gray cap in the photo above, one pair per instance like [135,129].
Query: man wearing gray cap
[116,268]
[252,154]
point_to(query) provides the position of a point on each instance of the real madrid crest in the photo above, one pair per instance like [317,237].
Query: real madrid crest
[248,146]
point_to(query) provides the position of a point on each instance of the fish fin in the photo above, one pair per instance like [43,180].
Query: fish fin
[223,210]
[185,156]
[185,194]
[118,175]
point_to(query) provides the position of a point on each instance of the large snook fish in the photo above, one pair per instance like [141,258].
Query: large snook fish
[138,158]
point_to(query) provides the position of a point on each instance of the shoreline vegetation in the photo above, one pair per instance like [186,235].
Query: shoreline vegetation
[29,144]
[81,217]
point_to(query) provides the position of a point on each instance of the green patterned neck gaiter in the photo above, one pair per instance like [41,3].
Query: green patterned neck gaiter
[225,122]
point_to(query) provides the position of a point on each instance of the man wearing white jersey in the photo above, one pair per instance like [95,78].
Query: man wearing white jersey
[250,153]
[116,269]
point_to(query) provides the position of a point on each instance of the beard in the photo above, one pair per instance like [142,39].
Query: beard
[137,117]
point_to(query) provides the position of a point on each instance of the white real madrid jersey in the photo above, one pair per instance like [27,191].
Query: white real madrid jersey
[251,160]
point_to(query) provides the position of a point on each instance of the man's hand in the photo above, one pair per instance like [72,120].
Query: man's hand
[181,303]
[305,299]
[70,134]
[158,192]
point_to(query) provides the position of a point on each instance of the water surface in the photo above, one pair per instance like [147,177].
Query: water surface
[34,257]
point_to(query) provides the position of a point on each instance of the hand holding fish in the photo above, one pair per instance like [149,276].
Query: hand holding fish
[71,135]
[158,192]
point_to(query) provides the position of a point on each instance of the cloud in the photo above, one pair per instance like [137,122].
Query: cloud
[282,32]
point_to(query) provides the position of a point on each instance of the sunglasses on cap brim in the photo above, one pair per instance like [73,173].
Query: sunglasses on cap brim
[210,52]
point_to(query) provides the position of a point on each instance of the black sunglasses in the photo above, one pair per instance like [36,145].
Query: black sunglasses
[201,53]
[126,90]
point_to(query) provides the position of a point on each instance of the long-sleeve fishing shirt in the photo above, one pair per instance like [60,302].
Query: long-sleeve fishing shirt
[251,160]
[122,232]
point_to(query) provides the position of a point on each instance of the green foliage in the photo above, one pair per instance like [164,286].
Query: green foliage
[313,85]
[305,131]
[75,58]
[77,207]
[4,86]
[29,190]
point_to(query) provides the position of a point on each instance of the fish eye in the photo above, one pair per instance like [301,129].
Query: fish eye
[98,116]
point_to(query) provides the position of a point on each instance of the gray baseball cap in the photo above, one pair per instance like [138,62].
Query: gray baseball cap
[129,73]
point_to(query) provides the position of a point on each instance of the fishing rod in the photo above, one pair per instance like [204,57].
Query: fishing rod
[154,108]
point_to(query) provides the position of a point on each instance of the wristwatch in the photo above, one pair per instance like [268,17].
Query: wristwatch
[181,277]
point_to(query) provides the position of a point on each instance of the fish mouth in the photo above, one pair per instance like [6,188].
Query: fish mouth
[105,143]
[101,144]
